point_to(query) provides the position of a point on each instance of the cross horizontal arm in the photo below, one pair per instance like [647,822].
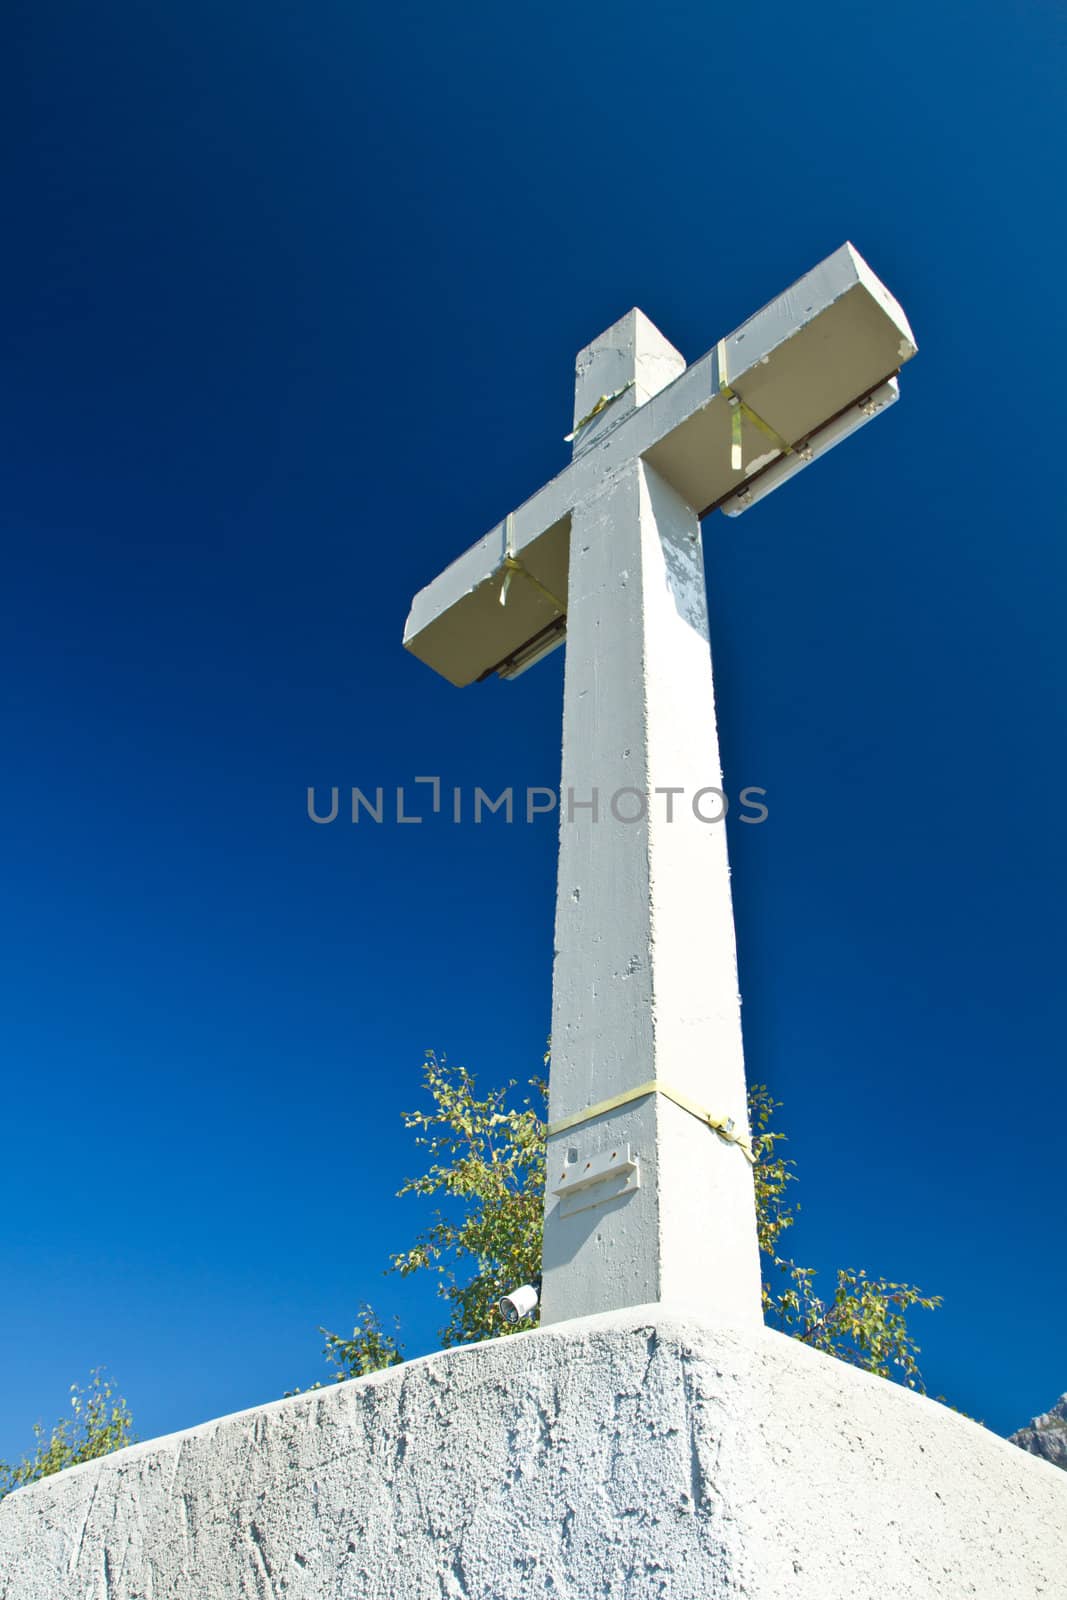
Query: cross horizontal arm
[830,340]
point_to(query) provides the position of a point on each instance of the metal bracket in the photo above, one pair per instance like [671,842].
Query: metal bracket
[604,1177]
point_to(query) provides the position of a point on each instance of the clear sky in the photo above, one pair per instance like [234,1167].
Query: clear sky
[291,297]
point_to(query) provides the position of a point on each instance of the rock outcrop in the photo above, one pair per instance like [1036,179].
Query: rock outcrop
[1047,1436]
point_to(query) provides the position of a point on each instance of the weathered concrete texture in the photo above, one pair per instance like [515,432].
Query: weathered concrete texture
[633,1454]
[644,985]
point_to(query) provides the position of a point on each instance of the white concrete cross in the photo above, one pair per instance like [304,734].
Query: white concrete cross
[646,1201]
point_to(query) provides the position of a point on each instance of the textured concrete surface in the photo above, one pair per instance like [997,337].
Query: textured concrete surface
[644,985]
[636,1454]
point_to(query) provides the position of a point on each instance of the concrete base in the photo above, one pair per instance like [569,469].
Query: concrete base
[636,1454]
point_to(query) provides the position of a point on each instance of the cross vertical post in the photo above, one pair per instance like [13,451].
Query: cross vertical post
[645,977]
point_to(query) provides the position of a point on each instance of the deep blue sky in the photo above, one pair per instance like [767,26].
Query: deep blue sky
[290,301]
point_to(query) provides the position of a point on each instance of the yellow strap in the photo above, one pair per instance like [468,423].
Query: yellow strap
[737,459]
[723,1126]
[605,400]
[772,433]
[721,353]
[513,564]
[742,407]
